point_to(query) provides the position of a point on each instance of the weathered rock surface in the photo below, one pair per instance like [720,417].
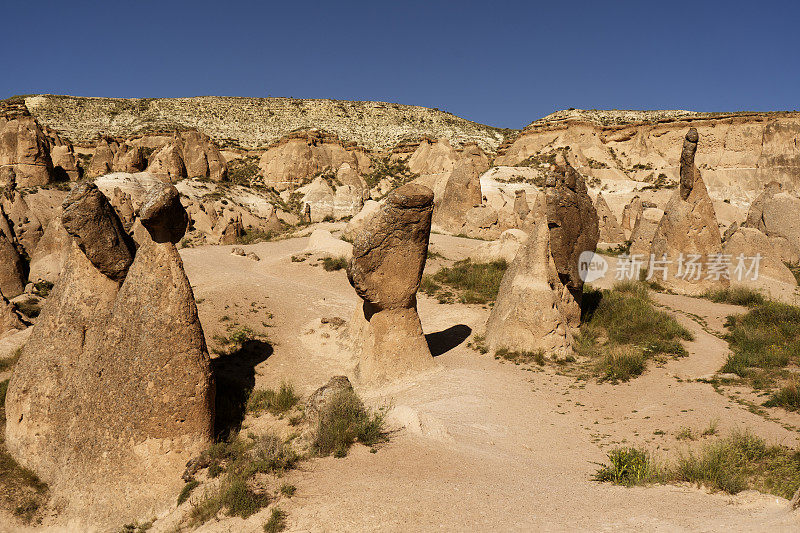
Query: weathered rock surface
[321,397]
[167,163]
[573,223]
[24,148]
[610,230]
[322,243]
[689,228]
[10,320]
[113,391]
[747,243]
[503,249]
[356,224]
[774,213]
[461,193]
[102,160]
[534,310]
[631,214]
[65,166]
[643,233]
[12,268]
[202,157]
[94,225]
[388,259]
[51,253]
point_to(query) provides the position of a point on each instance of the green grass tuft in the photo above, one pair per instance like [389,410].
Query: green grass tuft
[275,402]
[343,421]
[187,491]
[628,467]
[276,521]
[787,397]
[466,282]
[736,296]
[331,264]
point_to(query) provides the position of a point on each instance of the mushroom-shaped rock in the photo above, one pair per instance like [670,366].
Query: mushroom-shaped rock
[94,225]
[163,215]
[388,258]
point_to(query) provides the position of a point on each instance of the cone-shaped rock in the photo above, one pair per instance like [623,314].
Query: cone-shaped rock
[610,230]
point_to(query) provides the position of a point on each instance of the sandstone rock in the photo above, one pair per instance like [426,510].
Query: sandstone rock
[688,229]
[102,161]
[321,242]
[238,250]
[461,193]
[113,391]
[631,213]
[65,166]
[780,218]
[730,231]
[755,215]
[321,397]
[643,232]
[122,202]
[10,320]
[357,223]
[534,310]
[167,164]
[229,229]
[573,223]
[747,242]
[12,268]
[51,253]
[347,175]
[94,225]
[128,159]
[610,230]
[521,206]
[253,256]
[202,157]
[433,157]
[388,259]
[25,225]
[503,249]
[318,198]
[163,215]
[24,150]
[347,201]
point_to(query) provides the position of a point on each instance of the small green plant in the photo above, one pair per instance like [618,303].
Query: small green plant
[42,288]
[29,307]
[343,421]
[334,263]
[187,490]
[711,429]
[737,296]
[288,490]
[475,283]
[621,364]
[137,527]
[276,521]
[628,467]
[275,402]
[620,249]
[686,434]
[787,397]
[537,357]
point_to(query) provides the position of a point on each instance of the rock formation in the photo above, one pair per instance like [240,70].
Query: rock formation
[202,157]
[643,233]
[747,243]
[573,224]
[113,391]
[388,259]
[24,148]
[503,249]
[356,224]
[128,159]
[631,213]
[461,193]
[774,213]
[688,229]
[534,310]
[167,163]
[610,230]
[65,166]
[103,159]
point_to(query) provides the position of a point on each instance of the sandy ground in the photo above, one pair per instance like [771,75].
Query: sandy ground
[478,444]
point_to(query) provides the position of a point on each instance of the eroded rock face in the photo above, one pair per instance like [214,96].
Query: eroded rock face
[610,230]
[167,164]
[689,227]
[534,310]
[65,166]
[573,223]
[644,231]
[113,392]
[51,253]
[128,159]
[12,268]
[631,213]
[91,221]
[102,161]
[774,213]
[202,157]
[24,149]
[748,242]
[388,259]
[461,193]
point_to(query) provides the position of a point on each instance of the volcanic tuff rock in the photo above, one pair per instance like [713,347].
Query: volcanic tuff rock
[503,249]
[462,192]
[24,148]
[748,242]
[113,391]
[534,310]
[632,213]
[774,213]
[256,122]
[688,228]
[386,269]
[610,231]
[573,223]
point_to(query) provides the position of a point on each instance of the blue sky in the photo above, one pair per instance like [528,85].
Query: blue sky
[503,63]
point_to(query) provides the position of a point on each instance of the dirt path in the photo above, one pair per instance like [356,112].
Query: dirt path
[479,444]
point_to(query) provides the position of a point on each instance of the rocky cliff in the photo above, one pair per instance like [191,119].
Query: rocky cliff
[255,122]
[740,152]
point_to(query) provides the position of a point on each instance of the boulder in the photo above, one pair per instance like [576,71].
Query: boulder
[688,233]
[573,222]
[503,249]
[322,243]
[318,198]
[113,391]
[321,397]
[347,201]
[386,269]
[534,310]
[610,230]
[746,243]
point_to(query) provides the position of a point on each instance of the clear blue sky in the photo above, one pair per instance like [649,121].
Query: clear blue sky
[503,63]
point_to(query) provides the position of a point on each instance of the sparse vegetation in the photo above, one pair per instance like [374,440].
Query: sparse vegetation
[243,170]
[344,421]
[625,329]
[395,169]
[537,357]
[276,402]
[253,236]
[787,397]
[738,462]
[42,288]
[737,296]
[466,282]
[29,307]
[276,521]
[8,363]
[620,249]
[331,264]
[186,491]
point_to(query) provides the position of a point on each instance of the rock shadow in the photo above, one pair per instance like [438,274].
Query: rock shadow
[235,376]
[444,341]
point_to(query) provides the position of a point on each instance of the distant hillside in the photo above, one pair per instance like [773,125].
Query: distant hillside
[256,122]
[621,117]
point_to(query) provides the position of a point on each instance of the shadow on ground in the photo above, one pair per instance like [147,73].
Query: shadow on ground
[235,376]
[444,341]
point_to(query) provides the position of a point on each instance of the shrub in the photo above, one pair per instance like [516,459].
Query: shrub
[787,397]
[288,490]
[737,296]
[476,282]
[334,263]
[187,490]
[628,467]
[767,337]
[537,357]
[271,455]
[29,307]
[276,521]
[622,364]
[275,402]
[239,499]
[42,288]
[343,421]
